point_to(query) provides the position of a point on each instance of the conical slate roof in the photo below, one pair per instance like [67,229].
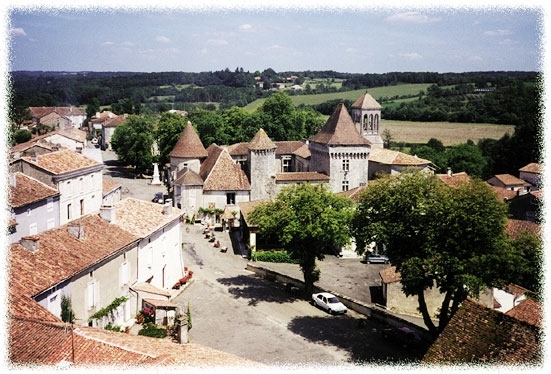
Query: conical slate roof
[261,141]
[339,130]
[366,101]
[189,145]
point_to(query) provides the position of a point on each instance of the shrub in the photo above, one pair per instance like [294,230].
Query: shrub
[153,331]
[275,256]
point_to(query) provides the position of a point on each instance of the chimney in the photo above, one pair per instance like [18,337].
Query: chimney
[108,213]
[76,230]
[13,180]
[167,208]
[30,243]
[33,157]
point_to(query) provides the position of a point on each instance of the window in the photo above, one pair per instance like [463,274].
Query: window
[92,293]
[345,185]
[50,204]
[286,164]
[69,211]
[82,207]
[345,165]
[33,229]
[124,271]
[230,198]
[50,224]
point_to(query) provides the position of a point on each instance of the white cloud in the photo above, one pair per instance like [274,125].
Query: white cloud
[412,17]
[18,31]
[498,32]
[107,43]
[162,39]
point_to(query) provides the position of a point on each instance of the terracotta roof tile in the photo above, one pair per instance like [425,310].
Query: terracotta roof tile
[477,334]
[529,311]
[533,167]
[390,275]
[187,177]
[189,144]
[307,176]
[508,180]
[390,157]
[287,147]
[515,227]
[366,101]
[239,149]
[340,130]
[40,112]
[28,190]
[60,254]
[62,161]
[109,185]
[353,194]
[303,151]
[115,121]
[455,179]
[503,193]
[221,173]
[261,141]
[141,218]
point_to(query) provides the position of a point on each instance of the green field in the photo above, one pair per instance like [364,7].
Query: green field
[377,93]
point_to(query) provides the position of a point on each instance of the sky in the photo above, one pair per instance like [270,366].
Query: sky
[256,36]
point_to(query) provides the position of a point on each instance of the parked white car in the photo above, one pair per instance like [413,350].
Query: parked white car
[328,302]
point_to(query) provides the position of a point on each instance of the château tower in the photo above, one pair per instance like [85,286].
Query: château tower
[261,166]
[366,114]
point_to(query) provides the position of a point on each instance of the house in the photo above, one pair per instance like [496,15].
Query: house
[38,339]
[77,178]
[108,129]
[74,115]
[383,160]
[72,138]
[527,206]
[477,334]
[531,173]
[34,206]
[131,249]
[111,192]
[510,182]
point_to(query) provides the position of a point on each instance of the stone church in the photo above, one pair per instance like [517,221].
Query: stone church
[221,177]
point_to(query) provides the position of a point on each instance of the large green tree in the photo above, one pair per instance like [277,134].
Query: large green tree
[451,238]
[168,132]
[309,220]
[133,141]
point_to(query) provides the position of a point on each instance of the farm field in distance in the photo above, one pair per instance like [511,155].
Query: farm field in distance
[448,133]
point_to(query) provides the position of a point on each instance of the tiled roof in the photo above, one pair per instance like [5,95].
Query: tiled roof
[477,334]
[515,228]
[339,130]
[72,133]
[109,185]
[303,151]
[63,161]
[35,142]
[307,176]
[390,275]
[35,342]
[390,157]
[508,180]
[40,112]
[353,194]
[366,101]
[248,206]
[533,167]
[503,193]
[28,190]
[455,179]
[287,147]
[239,149]
[114,122]
[141,217]
[60,254]
[189,144]
[221,173]
[261,141]
[187,177]
[529,311]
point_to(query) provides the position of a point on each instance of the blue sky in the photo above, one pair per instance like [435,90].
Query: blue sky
[345,39]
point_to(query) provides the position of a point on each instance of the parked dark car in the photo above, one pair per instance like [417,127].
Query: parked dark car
[405,336]
[158,198]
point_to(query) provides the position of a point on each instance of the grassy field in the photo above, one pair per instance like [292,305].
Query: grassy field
[377,93]
[448,133]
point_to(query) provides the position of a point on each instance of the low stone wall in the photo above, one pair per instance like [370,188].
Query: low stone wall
[372,311]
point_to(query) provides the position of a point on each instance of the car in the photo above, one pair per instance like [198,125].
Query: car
[158,198]
[328,302]
[377,259]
